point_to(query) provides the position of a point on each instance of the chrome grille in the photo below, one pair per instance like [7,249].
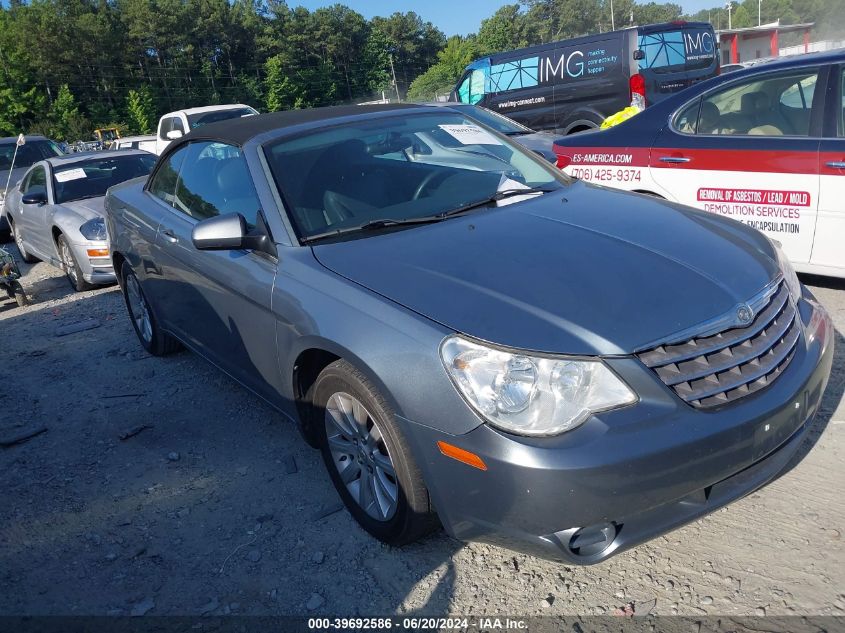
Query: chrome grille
[712,369]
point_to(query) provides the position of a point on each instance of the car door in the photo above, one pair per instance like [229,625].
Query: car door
[32,218]
[219,301]
[748,150]
[829,244]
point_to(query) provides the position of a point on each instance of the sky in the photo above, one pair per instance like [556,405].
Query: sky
[453,17]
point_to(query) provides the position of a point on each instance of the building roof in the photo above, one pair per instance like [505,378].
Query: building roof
[239,131]
[765,29]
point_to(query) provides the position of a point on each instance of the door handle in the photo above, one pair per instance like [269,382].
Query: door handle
[836,164]
[674,159]
[170,236]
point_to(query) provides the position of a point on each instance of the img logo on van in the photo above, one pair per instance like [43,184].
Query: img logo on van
[675,48]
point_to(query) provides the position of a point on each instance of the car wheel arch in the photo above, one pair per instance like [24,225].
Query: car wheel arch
[310,360]
[117,259]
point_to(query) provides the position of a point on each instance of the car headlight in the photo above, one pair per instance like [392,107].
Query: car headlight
[530,395]
[94,230]
[789,274]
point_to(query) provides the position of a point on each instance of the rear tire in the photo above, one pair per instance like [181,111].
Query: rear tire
[368,459]
[29,259]
[153,339]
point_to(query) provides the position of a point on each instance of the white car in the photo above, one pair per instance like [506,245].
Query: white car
[176,124]
[764,146]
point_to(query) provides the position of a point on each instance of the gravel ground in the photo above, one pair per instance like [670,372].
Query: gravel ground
[217,506]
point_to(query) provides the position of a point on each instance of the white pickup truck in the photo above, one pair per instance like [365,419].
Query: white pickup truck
[176,124]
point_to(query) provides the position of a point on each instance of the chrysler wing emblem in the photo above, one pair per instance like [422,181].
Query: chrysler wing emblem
[744,314]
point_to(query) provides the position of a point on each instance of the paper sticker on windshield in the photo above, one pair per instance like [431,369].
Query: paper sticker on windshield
[470,134]
[70,174]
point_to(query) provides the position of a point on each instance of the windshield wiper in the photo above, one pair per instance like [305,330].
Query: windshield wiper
[385,223]
[373,225]
[499,195]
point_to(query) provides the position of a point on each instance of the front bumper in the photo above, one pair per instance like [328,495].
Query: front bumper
[95,270]
[629,475]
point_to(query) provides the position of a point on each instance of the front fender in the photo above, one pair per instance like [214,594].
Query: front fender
[396,348]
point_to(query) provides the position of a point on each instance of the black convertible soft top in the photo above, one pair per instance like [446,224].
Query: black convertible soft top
[239,131]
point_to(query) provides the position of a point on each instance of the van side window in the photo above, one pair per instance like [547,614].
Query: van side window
[778,105]
[472,88]
[521,73]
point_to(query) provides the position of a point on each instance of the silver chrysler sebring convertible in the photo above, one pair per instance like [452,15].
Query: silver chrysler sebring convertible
[525,359]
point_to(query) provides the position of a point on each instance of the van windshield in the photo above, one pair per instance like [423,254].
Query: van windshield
[677,48]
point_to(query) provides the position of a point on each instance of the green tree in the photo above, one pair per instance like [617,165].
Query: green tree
[502,31]
[442,76]
[141,110]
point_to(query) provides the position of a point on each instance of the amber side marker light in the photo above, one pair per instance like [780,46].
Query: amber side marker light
[470,459]
[98,252]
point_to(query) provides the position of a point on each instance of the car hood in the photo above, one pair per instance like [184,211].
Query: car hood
[540,142]
[582,271]
[87,209]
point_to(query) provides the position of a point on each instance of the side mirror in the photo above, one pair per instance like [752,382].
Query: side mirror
[36,197]
[221,233]
[639,54]
[174,134]
[227,233]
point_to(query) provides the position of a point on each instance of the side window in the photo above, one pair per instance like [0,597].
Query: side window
[463,89]
[215,180]
[176,124]
[687,119]
[163,183]
[778,105]
[841,122]
[514,75]
[472,89]
[36,182]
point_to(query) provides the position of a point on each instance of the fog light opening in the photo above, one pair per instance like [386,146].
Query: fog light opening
[593,540]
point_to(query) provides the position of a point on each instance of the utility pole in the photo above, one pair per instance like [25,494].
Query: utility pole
[729,6]
[759,2]
[393,72]
[612,20]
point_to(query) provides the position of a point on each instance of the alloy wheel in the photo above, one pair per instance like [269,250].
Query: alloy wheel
[18,240]
[67,260]
[361,456]
[138,308]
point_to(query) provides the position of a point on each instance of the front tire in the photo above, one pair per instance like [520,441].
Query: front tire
[153,339]
[29,259]
[369,462]
[71,268]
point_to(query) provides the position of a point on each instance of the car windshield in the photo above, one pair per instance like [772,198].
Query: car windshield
[400,168]
[91,178]
[28,154]
[496,121]
[204,118]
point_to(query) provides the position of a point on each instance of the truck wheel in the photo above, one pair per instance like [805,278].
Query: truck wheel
[368,460]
